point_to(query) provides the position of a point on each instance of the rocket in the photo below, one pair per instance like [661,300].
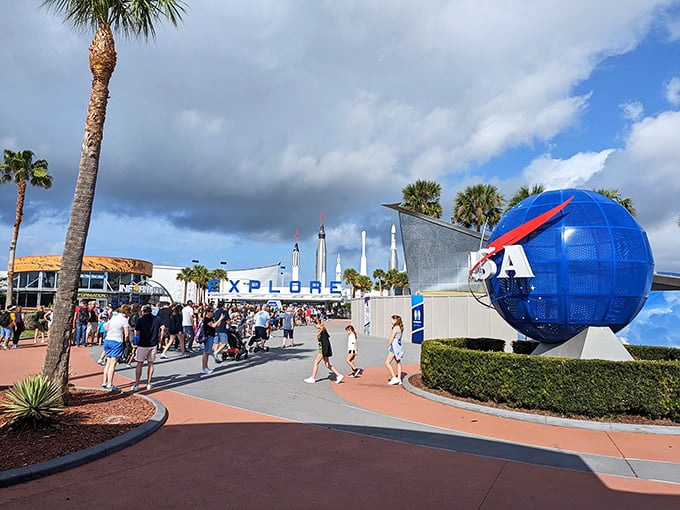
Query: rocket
[321,255]
[363,271]
[338,270]
[393,263]
[296,260]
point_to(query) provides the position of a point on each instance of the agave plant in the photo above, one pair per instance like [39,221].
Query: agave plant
[33,402]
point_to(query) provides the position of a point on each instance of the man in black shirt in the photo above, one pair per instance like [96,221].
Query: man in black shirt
[164,312]
[147,329]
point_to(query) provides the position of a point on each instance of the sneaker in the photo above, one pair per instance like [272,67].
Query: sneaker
[310,380]
[207,371]
[351,375]
[104,386]
[164,356]
[185,355]
[113,389]
[393,381]
[101,362]
[339,379]
[135,388]
[149,386]
[357,372]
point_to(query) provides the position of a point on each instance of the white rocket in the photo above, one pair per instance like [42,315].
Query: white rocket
[338,270]
[393,262]
[296,260]
[363,271]
[321,255]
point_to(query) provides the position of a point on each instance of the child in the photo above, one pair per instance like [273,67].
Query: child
[102,327]
[352,350]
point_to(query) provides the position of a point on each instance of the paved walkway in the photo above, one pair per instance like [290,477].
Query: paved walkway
[254,435]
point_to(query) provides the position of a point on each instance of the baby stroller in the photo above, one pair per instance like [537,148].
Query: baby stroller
[237,349]
[257,347]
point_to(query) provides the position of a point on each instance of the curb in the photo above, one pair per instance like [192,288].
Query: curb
[49,467]
[542,419]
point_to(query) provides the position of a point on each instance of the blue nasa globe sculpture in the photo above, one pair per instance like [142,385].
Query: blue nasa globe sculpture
[592,266]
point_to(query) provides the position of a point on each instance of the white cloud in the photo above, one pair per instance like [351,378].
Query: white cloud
[203,123]
[632,110]
[672,91]
[565,173]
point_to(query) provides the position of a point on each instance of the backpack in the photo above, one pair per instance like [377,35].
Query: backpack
[83,315]
[5,318]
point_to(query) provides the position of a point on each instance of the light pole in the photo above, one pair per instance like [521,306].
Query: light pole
[283,280]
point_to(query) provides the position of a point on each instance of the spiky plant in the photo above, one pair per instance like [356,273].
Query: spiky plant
[33,402]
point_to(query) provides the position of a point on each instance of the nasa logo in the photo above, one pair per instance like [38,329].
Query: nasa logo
[515,260]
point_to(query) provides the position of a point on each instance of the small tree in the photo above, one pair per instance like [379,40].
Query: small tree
[423,196]
[522,193]
[186,275]
[626,203]
[477,205]
[379,277]
[363,283]
[350,276]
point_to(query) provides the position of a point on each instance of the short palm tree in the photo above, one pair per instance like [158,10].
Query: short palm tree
[218,274]
[477,205]
[423,197]
[19,168]
[134,18]
[379,277]
[200,278]
[350,276]
[614,194]
[363,283]
[186,275]
[522,193]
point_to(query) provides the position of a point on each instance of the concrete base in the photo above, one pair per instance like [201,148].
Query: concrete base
[591,343]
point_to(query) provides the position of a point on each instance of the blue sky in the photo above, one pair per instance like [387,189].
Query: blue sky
[225,136]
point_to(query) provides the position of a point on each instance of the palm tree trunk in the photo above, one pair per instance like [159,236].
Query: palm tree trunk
[102,65]
[21,196]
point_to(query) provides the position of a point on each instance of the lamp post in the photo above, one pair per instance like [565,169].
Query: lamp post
[282,268]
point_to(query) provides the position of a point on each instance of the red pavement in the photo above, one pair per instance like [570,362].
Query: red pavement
[216,456]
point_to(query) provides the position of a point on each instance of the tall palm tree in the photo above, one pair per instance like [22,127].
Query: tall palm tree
[614,194]
[363,283]
[477,205]
[423,197]
[133,18]
[19,168]
[522,193]
[186,275]
[218,274]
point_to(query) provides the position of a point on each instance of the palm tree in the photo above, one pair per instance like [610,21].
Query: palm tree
[423,197]
[350,276]
[363,283]
[186,275]
[218,274]
[614,194]
[133,18]
[20,169]
[201,277]
[522,193]
[379,277]
[477,205]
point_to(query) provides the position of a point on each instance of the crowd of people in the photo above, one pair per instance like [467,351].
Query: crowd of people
[138,333]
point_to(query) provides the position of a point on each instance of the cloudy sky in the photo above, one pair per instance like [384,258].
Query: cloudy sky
[227,134]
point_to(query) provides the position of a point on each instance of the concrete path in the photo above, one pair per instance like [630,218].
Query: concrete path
[254,435]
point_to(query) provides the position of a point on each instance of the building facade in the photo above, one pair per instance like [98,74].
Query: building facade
[107,280]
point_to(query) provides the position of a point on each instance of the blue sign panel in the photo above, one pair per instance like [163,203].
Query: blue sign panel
[417,319]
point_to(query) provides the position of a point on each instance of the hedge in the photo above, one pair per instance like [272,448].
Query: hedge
[648,352]
[593,388]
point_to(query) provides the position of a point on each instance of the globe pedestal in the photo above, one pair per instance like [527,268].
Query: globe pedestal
[591,343]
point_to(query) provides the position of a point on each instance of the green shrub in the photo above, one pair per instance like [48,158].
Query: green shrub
[594,388]
[33,402]
[653,352]
[524,346]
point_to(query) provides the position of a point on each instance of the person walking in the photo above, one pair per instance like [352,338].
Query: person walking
[19,326]
[147,329]
[395,350]
[117,332]
[288,326]
[80,318]
[325,353]
[40,325]
[221,319]
[188,321]
[352,350]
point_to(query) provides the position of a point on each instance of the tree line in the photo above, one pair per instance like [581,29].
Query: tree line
[481,204]
[382,280]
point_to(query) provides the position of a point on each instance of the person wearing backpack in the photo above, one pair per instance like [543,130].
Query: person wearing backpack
[80,319]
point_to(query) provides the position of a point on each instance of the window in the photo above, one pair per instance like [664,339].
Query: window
[97,280]
[49,279]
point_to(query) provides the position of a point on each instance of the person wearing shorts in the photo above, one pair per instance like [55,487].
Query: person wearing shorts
[325,353]
[288,326]
[209,332]
[147,328]
[117,331]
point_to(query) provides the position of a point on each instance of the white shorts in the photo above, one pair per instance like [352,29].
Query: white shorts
[146,354]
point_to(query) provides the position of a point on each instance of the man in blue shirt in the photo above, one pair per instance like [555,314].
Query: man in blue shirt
[262,326]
